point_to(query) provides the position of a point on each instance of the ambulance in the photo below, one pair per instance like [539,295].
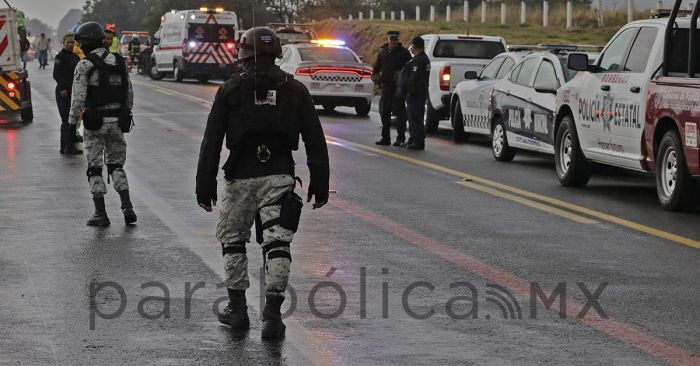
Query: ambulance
[15,93]
[199,44]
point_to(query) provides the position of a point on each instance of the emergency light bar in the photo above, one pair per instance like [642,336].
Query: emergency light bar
[211,10]
[328,42]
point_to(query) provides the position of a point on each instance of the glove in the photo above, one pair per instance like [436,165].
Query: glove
[206,201]
[321,196]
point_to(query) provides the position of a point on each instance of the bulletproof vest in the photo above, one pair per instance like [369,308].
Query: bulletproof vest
[112,82]
[257,117]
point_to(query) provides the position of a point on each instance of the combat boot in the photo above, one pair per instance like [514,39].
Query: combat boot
[99,218]
[127,207]
[235,314]
[272,327]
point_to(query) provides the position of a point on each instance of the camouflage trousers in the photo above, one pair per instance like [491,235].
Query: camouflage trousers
[106,145]
[242,201]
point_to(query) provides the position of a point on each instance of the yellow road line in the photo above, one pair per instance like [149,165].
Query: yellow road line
[553,201]
[527,202]
[487,182]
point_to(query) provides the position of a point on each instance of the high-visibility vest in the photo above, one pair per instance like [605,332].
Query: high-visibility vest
[114,48]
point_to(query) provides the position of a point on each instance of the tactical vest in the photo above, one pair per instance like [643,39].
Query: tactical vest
[271,120]
[112,82]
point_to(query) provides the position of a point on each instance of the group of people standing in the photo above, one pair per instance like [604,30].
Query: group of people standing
[402,75]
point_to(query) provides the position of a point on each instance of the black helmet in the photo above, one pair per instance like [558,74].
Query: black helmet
[259,41]
[89,31]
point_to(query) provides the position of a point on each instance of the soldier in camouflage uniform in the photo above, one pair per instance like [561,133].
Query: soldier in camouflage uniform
[261,112]
[104,139]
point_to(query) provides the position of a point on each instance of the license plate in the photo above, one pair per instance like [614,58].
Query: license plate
[339,87]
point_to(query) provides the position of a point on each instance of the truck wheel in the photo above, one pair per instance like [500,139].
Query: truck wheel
[27,114]
[573,169]
[153,72]
[458,124]
[674,184]
[178,75]
[362,108]
[432,118]
[499,142]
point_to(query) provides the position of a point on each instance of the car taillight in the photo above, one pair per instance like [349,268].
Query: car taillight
[366,74]
[445,77]
[305,71]
[11,86]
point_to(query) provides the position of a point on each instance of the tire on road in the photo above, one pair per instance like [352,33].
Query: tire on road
[499,142]
[153,72]
[432,118]
[328,107]
[27,114]
[675,187]
[573,169]
[362,108]
[458,124]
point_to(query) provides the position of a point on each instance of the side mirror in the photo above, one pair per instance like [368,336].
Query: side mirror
[471,75]
[578,62]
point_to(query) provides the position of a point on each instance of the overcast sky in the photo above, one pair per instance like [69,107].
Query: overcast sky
[48,11]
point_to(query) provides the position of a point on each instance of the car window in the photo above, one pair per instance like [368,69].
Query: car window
[333,54]
[489,72]
[505,67]
[641,49]
[468,49]
[514,74]
[614,55]
[546,77]
[526,71]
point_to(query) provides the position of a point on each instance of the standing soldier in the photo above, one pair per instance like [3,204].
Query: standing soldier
[63,71]
[101,85]
[391,58]
[261,112]
[418,70]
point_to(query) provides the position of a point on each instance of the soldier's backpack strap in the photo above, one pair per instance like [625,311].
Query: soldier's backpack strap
[96,61]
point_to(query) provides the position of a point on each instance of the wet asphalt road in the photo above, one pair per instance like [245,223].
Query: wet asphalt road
[382,275]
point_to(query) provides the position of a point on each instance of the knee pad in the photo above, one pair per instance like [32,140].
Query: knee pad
[94,171]
[237,247]
[112,167]
[277,249]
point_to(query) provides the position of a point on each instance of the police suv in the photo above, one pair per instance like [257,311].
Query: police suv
[636,108]
[333,73]
[195,43]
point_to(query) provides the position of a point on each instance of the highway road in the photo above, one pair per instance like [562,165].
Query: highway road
[443,256]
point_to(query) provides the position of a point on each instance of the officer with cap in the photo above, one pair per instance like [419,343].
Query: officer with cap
[102,93]
[415,77]
[260,111]
[391,58]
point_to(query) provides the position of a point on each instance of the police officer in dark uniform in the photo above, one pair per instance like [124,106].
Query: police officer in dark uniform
[417,72]
[392,57]
[260,111]
[63,70]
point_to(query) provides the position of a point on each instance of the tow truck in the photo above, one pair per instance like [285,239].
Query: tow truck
[15,90]
[637,107]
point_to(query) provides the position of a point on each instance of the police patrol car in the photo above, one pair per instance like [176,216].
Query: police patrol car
[333,73]
[195,43]
[468,110]
[522,105]
[636,108]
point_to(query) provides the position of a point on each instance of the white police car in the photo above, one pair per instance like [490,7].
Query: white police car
[522,105]
[468,107]
[333,73]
